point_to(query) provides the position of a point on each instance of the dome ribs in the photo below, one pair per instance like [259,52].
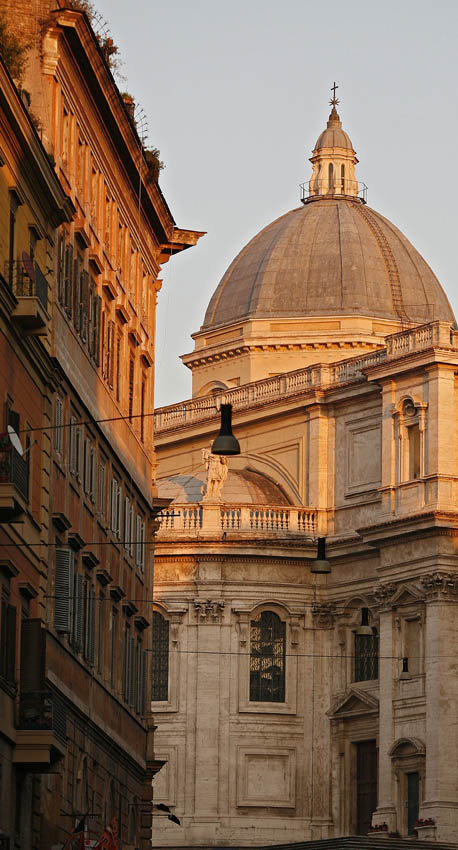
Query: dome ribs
[389,260]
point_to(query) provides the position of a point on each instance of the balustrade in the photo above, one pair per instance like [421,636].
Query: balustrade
[253,518]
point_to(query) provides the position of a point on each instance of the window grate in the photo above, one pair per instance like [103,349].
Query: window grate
[267,658]
[160,658]
[366,657]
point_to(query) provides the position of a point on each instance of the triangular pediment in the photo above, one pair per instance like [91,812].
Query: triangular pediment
[354,702]
[406,594]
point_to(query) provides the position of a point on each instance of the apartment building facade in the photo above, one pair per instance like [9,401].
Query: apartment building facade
[81,668]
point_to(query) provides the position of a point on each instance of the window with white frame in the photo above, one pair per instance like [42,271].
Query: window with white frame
[102,488]
[128,525]
[116,507]
[140,544]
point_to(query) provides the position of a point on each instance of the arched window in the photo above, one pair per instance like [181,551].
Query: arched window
[331,177]
[160,658]
[366,657]
[342,178]
[267,658]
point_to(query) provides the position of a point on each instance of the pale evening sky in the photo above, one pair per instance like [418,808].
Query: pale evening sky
[236,95]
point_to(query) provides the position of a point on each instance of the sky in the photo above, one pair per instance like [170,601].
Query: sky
[236,94]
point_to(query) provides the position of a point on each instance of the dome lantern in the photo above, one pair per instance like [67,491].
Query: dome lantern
[333,160]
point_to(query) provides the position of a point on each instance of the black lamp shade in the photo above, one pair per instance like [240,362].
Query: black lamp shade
[320,564]
[226,443]
[365,629]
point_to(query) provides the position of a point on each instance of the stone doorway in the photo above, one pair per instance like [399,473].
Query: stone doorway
[366,784]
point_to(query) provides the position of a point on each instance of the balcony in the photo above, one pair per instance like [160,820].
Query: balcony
[30,287]
[42,731]
[14,481]
[258,520]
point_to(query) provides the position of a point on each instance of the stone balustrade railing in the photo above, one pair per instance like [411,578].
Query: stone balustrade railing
[301,380]
[420,338]
[226,517]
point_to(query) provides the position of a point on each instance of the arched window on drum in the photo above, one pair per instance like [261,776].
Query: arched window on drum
[267,658]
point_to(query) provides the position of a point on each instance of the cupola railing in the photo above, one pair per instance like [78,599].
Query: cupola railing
[340,187]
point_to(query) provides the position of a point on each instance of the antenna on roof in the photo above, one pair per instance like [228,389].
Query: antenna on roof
[100,26]
[141,122]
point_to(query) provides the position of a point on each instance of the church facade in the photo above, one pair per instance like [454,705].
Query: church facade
[291,702]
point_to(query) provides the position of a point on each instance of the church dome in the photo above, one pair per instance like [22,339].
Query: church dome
[242,487]
[332,257]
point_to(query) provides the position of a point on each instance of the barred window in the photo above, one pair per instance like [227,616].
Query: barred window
[366,657]
[160,658]
[267,658]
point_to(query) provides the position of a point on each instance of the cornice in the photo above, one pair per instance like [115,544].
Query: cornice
[217,353]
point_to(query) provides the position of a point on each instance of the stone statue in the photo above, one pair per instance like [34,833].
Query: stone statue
[216,466]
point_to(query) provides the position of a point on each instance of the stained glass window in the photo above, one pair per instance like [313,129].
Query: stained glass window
[160,656]
[267,658]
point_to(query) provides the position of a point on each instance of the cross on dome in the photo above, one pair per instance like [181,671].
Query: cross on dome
[334,100]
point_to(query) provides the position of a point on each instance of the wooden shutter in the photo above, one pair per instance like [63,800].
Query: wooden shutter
[63,589]
[72,444]
[114,502]
[111,352]
[84,305]
[61,267]
[92,469]
[10,643]
[131,671]
[104,340]
[137,541]
[118,513]
[143,682]
[68,285]
[76,292]
[127,537]
[59,422]
[78,612]
[91,626]
[131,530]
[86,465]
[97,310]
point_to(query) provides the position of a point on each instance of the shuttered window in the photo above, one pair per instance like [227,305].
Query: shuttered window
[131,387]
[84,305]
[116,507]
[127,520]
[77,624]
[8,642]
[102,496]
[63,590]
[76,292]
[114,638]
[96,330]
[68,283]
[61,267]
[160,658]
[59,421]
[140,544]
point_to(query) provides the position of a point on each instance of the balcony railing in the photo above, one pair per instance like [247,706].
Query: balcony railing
[13,468]
[26,280]
[258,393]
[321,188]
[239,518]
[43,711]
